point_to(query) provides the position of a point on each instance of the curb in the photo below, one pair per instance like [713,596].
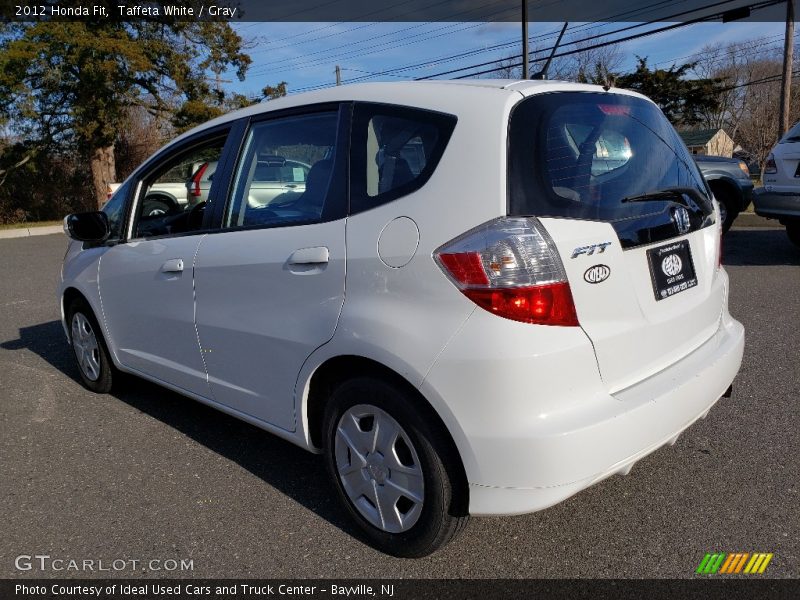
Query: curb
[29,231]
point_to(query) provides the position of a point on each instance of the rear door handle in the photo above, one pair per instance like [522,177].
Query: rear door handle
[309,256]
[174,265]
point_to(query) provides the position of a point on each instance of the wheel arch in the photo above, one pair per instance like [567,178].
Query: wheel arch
[729,188]
[337,369]
[68,296]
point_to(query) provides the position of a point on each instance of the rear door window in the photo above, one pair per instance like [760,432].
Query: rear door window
[286,173]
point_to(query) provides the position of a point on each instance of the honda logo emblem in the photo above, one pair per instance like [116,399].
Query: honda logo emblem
[680,216]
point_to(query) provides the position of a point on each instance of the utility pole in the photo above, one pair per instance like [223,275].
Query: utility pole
[338,75]
[786,80]
[525,66]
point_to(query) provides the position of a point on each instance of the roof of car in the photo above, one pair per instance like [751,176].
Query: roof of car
[413,93]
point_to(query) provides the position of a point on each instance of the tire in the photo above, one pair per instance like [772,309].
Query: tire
[793,231]
[154,208]
[89,348]
[419,461]
[726,203]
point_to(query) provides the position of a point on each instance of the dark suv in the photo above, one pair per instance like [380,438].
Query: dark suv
[729,180]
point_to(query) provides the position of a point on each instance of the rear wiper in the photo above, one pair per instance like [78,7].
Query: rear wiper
[794,138]
[674,194]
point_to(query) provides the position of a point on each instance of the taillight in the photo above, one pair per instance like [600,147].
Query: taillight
[770,167]
[510,268]
[196,179]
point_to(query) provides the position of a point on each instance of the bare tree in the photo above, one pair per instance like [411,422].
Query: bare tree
[749,100]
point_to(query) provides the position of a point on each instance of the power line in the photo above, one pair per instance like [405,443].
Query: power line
[298,62]
[606,43]
[639,11]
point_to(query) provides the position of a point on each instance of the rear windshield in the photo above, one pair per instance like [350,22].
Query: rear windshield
[793,135]
[584,155]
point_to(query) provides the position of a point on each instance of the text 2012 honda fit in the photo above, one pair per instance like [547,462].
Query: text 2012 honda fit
[488,297]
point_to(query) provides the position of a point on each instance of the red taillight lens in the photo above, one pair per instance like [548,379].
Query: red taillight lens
[549,304]
[466,268]
[196,179]
[510,267]
[770,167]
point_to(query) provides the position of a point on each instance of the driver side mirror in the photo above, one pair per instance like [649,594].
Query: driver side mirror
[87,226]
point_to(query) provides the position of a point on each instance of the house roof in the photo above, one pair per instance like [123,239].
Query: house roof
[699,137]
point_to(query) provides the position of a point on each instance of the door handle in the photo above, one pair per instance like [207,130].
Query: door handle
[309,256]
[174,265]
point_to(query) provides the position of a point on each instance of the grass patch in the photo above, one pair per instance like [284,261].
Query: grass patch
[30,224]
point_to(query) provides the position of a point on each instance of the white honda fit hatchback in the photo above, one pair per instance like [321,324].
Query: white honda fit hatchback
[489,296]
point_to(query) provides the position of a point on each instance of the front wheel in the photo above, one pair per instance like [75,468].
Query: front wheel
[392,469]
[89,348]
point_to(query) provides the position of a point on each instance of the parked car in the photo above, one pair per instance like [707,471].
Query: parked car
[779,198]
[276,179]
[729,180]
[531,304]
[171,193]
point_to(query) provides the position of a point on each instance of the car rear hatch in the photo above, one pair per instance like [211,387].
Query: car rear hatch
[782,171]
[632,220]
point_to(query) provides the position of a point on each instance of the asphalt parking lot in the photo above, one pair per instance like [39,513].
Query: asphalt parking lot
[146,473]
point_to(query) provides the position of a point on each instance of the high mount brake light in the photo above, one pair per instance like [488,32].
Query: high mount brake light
[617,110]
[510,267]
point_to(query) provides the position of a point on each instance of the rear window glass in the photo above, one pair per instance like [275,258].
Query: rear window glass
[584,155]
[792,135]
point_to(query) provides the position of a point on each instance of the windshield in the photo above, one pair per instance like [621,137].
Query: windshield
[581,155]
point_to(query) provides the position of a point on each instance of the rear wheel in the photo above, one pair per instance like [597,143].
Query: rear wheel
[392,469]
[89,348]
[793,231]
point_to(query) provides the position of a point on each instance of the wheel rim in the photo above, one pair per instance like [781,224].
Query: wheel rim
[84,343]
[379,468]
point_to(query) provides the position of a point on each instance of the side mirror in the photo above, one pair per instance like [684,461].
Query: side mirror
[87,227]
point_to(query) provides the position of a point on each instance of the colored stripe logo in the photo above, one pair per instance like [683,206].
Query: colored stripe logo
[749,563]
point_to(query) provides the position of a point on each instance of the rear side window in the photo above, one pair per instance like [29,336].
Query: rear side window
[586,155]
[395,151]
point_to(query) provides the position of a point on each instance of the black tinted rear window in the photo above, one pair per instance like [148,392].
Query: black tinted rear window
[582,155]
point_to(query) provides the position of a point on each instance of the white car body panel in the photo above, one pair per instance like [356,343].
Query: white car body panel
[149,314]
[787,159]
[633,334]
[259,316]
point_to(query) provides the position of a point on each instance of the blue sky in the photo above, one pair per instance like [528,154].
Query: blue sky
[305,54]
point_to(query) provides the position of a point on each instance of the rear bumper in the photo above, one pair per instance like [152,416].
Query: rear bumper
[538,460]
[776,205]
